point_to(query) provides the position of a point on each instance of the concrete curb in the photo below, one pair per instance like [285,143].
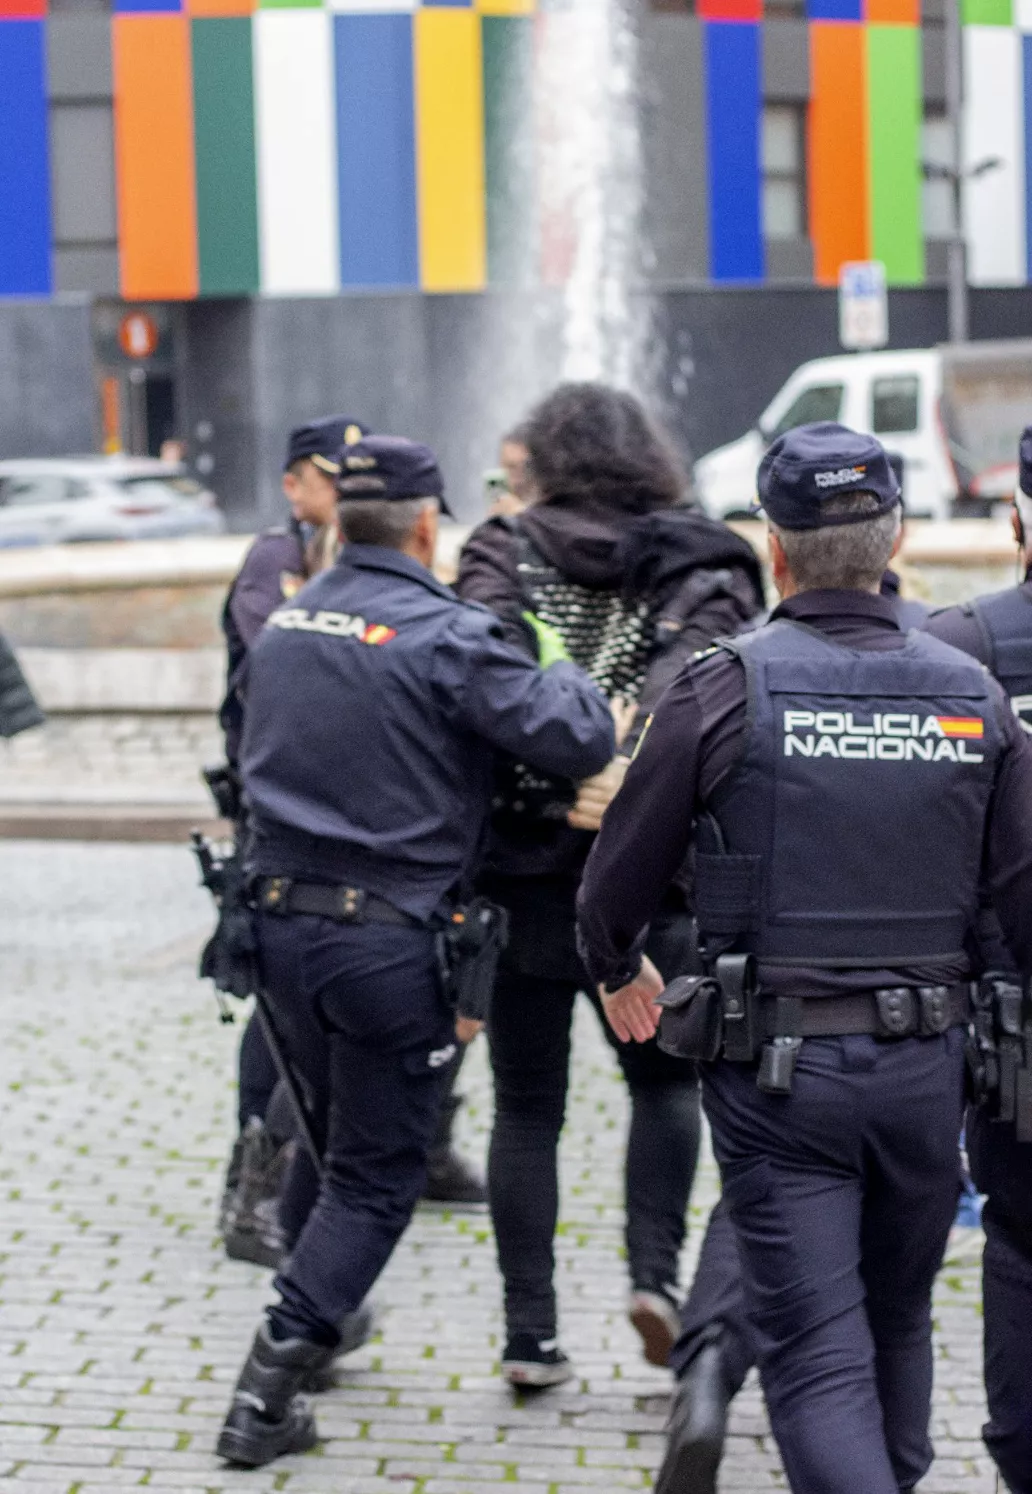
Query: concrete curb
[171,823]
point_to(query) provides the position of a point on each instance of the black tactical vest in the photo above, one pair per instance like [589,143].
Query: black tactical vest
[1006,623]
[850,833]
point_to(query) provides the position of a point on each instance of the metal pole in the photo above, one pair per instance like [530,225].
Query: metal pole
[956,263]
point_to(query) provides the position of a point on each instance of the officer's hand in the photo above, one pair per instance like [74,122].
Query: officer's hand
[632,1012]
[595,795]
[466,1028]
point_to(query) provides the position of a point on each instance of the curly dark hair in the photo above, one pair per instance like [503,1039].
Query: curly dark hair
[591,442]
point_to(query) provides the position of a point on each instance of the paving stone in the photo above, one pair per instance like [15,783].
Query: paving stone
[122,1324]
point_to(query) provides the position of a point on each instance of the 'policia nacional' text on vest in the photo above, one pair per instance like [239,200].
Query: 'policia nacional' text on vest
[850,833]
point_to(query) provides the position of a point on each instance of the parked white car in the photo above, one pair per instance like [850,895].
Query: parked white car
[48,501]
[954,414]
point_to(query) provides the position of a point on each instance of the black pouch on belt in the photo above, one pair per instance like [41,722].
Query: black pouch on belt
[691,1024]
[470,946]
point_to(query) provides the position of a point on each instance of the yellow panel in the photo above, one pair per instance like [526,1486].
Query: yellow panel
[450,150]
[506,7]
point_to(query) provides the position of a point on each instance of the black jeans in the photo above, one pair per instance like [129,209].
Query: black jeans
[360,1011]
[842,1195]
[529,1032]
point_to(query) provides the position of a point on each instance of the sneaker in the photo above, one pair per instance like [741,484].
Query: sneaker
[655,1318]
[535,1362]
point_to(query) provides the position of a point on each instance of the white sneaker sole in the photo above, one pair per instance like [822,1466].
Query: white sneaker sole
[537,1376]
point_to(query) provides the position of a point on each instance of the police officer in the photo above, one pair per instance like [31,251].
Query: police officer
[843,784]
[997,630]
[275,568]
[375,701]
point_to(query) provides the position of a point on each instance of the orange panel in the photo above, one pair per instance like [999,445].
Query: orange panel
[839,213]
[154,156]
[225,7]
[893,12]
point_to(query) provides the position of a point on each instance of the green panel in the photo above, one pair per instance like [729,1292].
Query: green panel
[291,4]
[509,149]
[227,189]
[894,124]
[986,12]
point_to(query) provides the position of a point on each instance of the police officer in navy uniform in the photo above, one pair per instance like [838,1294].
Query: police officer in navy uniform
[997,630]
[845,786]
[376,700]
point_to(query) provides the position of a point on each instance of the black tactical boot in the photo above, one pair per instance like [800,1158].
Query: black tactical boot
[267,1417]
[355,1330]
[251,1231]
[450,1178]
[697,1426]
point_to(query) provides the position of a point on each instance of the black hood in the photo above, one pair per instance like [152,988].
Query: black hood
[601,547]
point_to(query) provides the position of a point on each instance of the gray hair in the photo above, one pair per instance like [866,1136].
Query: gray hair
[842,557]
[380,521]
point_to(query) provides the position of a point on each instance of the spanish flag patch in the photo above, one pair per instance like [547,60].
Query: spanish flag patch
[961,726]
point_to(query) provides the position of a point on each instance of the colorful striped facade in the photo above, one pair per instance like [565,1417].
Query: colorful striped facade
[297,148]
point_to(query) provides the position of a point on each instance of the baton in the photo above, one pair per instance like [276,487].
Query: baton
[302,1115]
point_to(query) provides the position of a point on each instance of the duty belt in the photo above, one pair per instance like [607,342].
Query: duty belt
[893,1012]
[283,896]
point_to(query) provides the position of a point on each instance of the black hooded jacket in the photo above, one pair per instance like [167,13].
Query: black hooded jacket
[669,581]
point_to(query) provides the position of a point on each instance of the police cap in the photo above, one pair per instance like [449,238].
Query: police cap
[391,469]
[807,466]
[321,440]
[1025,462]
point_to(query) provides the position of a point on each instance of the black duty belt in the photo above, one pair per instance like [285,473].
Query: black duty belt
[894,1012]
[283,895]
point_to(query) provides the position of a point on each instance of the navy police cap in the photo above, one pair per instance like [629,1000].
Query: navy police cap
[811,464]
[321,440]
[1025,462]
[391,469]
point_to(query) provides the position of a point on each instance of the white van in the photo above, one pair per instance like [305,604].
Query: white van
[954,414]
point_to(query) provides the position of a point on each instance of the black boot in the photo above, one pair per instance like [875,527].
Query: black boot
[267,1418]
[697,1426]
[450,1178]
[251,1230]
[356,1329]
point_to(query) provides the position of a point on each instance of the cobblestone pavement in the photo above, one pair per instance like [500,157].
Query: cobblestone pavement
[122,1325]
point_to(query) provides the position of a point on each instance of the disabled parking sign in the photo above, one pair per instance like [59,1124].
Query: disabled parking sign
[863,305]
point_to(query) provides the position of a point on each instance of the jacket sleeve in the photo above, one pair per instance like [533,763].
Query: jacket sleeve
[18,708]
[488,574]
[1008,846]
[554,719]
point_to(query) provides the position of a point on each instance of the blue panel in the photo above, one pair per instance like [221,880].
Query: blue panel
[25,232]
[376,150]
[146,7]
[1026,57]
[733,129]
[835,10]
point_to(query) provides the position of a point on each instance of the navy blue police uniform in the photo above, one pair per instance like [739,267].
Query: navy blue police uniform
[375,702]
[997,630]
[838,780]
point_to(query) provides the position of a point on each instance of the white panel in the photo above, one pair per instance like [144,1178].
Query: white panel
[297,152]
[381,7]
[1023,14]
[994,204]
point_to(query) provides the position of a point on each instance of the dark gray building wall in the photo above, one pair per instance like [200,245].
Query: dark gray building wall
[46,379]
[216,381]
[674,148]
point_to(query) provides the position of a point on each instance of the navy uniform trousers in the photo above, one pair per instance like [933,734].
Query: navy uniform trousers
[841,1196]
[360,1010]
[1002,1168]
